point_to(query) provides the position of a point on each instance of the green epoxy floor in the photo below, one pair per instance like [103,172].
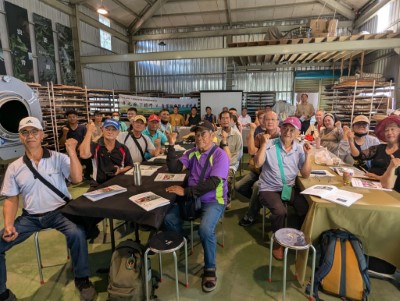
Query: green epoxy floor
[242,267]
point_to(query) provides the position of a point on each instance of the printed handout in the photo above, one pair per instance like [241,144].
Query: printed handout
[333,194]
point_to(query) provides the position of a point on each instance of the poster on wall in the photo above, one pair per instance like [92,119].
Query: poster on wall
[153,105]
[66,53]
[2,63]
[45,49]
[20,42]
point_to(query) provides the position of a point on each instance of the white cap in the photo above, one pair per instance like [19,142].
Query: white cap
[30,121]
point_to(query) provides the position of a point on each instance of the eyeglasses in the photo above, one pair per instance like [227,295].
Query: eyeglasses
[361,124]
[26,133]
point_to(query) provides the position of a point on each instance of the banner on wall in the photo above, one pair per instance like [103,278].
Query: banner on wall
[153,105]
[20,41]
[2,63]
[45,49]
[66,53]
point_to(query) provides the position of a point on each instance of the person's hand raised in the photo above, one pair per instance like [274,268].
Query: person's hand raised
[171,137]
[70,145]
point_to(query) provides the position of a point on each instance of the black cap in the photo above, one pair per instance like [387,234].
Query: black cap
[204,125]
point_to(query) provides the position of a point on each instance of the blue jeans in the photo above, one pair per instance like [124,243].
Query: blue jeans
[210,215]
[26,225]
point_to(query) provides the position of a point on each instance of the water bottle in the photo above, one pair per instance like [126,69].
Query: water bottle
[137,175]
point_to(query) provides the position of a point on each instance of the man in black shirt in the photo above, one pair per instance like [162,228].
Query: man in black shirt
[193,118]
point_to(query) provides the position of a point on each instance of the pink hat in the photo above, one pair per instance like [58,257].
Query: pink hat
[380,128]
[294,121]
[153,117]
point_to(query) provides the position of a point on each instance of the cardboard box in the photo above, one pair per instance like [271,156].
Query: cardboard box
[323,27]
[332,27]
[318,25]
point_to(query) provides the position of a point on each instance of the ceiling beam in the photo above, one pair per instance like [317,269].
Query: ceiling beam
[228,12]
[223,32]
[246,51]
[370,13]
[267,67]
[237,10]
[147,15]
[126,8]
[340,8]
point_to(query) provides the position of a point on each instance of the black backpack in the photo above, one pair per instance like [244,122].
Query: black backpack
[343,269]
[126,281]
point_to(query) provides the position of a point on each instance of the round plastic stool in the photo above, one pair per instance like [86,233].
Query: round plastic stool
[166,242]
[293,239]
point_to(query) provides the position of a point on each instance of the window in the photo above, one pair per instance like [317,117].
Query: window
[105,37]
[383,18]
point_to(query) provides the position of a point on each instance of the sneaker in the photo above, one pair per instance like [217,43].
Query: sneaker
[245,222]
[86,290]
[11,296]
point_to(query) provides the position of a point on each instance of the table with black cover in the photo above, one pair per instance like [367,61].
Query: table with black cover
[120,207]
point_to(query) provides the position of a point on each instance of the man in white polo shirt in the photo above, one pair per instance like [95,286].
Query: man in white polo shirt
[41,206]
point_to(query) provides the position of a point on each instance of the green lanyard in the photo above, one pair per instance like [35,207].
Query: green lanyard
[278,155]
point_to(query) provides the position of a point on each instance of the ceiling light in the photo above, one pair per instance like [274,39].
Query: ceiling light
[102,10]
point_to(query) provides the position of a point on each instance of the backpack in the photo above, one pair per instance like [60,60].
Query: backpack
[126,280]
[343,270]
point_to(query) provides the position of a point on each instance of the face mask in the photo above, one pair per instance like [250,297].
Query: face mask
[360,135]
[116,118]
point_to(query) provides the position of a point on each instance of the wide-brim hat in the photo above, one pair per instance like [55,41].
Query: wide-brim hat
[380,127]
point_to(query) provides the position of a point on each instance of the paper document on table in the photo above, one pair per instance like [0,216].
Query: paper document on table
[170,177]
[321,173]
[145,170]
[363,183]
[179,148]
[333,194]
[158,158]
[149,201]
[356,172]
[102,193]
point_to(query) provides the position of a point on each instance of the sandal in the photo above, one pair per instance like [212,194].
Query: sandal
[209,282]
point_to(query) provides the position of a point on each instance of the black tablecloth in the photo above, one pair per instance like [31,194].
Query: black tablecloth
[120,207]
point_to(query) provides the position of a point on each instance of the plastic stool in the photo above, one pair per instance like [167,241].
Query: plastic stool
[290,238]
[166,242]
[39,256]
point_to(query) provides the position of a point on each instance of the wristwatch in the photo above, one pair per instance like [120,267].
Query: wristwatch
[222,145]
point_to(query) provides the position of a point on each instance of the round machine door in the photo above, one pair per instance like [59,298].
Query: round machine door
[17,101]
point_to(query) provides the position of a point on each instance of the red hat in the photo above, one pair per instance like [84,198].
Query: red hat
[380,128]
[153,117]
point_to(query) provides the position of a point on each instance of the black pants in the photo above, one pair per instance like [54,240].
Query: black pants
[272,200]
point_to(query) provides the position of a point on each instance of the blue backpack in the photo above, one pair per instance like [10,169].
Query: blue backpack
[343,270]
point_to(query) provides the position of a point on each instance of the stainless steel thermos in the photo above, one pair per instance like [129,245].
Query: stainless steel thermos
[137,176]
